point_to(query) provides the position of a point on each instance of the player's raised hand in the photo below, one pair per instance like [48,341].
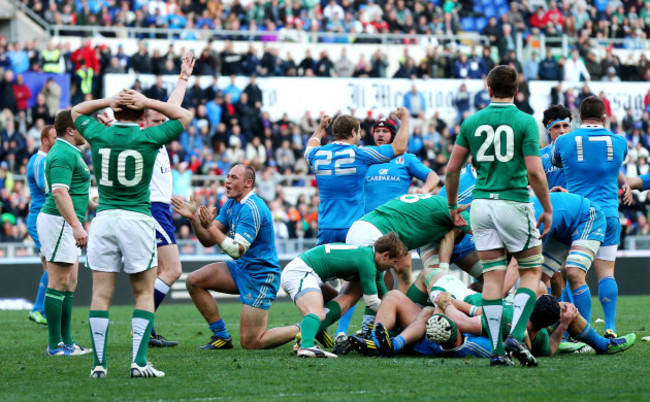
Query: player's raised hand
[205,216]
[325,122]
[105,119]
[627,194]
[188,64]
[80,236]
[185,209]
[402,113]
[568,314]
[136,99]
[545,218]
[457,218]
[443,300]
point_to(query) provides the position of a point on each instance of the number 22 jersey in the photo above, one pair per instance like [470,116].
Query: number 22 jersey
[340,170]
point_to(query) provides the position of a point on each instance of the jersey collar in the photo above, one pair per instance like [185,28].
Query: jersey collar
[126,123]
[591,126]
[246,197]
[501,104]
[69,143]
[41,153]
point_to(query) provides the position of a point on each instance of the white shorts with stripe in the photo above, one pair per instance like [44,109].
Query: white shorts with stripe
[298,278]
[118,236]
[362,234]
[57,240]
[505,224]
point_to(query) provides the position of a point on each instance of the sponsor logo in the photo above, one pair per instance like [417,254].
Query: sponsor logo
[383,178]
[383,171]
[98,333]
[85,122]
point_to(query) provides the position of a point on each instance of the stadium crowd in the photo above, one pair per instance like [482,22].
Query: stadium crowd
[231,124]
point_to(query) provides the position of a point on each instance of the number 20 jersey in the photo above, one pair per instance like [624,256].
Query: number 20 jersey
[499,137]
[340,171]
[591,157]
[123,159]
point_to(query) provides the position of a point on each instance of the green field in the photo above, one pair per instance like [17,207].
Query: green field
[26,373]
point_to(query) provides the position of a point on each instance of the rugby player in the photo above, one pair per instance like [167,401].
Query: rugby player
[591,158]
[123,231]
[504,144]
[244,231]
[61,232]
[36,182]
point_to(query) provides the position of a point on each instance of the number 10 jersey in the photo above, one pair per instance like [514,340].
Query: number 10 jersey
[499,137]
[123,159]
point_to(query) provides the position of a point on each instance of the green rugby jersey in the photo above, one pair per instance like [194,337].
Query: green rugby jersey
[65,167]
[499,137]
[418,219]
[123,159]
[344,261]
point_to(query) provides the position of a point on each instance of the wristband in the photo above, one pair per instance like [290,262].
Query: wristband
[472,311]
[184,77]
[444,266]
[453,207]
[314,138]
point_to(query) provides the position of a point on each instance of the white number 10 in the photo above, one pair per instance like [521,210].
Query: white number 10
[601,138]
[121,167]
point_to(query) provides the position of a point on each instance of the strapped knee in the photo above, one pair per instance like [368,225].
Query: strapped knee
[498,264]
[579,259]
[476,270]
[532,261]
[550,265]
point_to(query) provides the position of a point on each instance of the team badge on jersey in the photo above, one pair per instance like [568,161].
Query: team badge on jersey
[399,160]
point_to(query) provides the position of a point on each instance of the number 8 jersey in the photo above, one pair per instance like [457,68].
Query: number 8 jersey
[123,159]
[499,137]
[340,170]
[591,157]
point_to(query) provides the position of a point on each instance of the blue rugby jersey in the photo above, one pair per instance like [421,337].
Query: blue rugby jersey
[466,185]
[554,174]
[571,213]
[36,181]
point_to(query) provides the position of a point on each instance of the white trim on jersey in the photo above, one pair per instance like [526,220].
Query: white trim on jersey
[161,186]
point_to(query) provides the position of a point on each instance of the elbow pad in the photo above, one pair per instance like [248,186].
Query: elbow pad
[372,302]
[231,247]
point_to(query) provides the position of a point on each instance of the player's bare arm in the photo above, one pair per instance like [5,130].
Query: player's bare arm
[626,188]
[401,141]
[568,313]
[537,180]
[430,184]
[188,210]
[315,139]
[66,208]
[456,161]
[230,246]
[177,95]
[89,107]
[137,101]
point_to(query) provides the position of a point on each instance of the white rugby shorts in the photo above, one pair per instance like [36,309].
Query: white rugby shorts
[362,234]
[57,241]
[298,278]
[504,224]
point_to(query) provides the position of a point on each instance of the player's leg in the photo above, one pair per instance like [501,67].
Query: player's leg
[604,266]
[557,284]
[417,292]
[38,312]
[53,304]
[98,321]
[66,313]
[396,308]
[215,277]
[578,263]
[466,257]
[404,273]
[581,330]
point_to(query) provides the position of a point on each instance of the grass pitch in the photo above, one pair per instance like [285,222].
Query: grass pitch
[26,373]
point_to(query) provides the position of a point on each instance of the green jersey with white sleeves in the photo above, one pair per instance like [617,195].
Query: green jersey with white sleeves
[348,262]
[66,168]
[123,159]
[499,137]
[417,219]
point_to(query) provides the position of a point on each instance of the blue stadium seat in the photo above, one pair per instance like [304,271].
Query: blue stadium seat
[481,22]
[500,3]
[477,8]
[490,12]
[485,3]
[468,24]
[502,10]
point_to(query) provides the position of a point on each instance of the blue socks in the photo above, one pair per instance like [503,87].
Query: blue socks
[608,295]
[218,328]
[344,321]
[582,300]
[398,343]
[160,290]
[566,293]
[40,295]
[591,338]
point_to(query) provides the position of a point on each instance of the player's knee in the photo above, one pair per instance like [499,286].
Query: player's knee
[392,296]
[530,262]
[191,282]
[249,343]
[576,276]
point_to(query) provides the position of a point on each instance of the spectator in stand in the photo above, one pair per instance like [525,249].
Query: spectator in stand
[506,41]
[22,93]
[7,97]
[462,102]
[593,67]
[414,101]
[574,69]
[554,16]
[549,68]
[233,90]
[492,31]
[41,111]
[157,90]
[324,66]
[482,98]
[515,17]
[462,67]
[531,68]
[344,67]
[18,57]
[182,179]
[611,75]
[254,92]
[141,62]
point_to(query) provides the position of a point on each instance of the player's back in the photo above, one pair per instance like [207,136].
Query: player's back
[389,180]
[569,211]
[591,158]
[499,137]
[554,174]
[35,180]
[340,171]
[466,186]
[472,346]
[418,219]
[338,260]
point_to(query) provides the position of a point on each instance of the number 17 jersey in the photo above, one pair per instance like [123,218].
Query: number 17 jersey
[340,170]
[591,158]
[499,137]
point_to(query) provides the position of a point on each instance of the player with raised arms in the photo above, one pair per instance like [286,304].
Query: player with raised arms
[61,232]
[244,231]
[123,232]
[36,182]
[303,278]
[591,158]
[504,144]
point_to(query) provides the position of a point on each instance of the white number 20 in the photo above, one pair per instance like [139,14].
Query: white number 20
[600,138]
[492,136]
[121,167]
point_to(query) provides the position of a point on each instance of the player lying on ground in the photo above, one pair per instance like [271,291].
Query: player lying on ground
[420,221]
[303,278]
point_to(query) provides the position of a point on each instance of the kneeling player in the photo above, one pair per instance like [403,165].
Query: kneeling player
[303,278]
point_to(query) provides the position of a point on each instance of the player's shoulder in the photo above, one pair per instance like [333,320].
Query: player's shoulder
[254,204]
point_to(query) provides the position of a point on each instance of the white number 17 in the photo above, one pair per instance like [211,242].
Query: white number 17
[604,138]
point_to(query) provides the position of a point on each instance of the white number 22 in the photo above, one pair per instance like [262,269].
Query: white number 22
[321,166]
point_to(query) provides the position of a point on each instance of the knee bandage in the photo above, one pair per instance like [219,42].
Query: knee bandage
[550,265]
[533,261]
[498,264]
[476,270]
[579,259]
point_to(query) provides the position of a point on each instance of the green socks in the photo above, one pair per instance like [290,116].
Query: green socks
[98,322]
[66,318]
[309,329]
[53,306]
[142,323]
[333,313]
[522,306]
[417,296]
[493,311]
